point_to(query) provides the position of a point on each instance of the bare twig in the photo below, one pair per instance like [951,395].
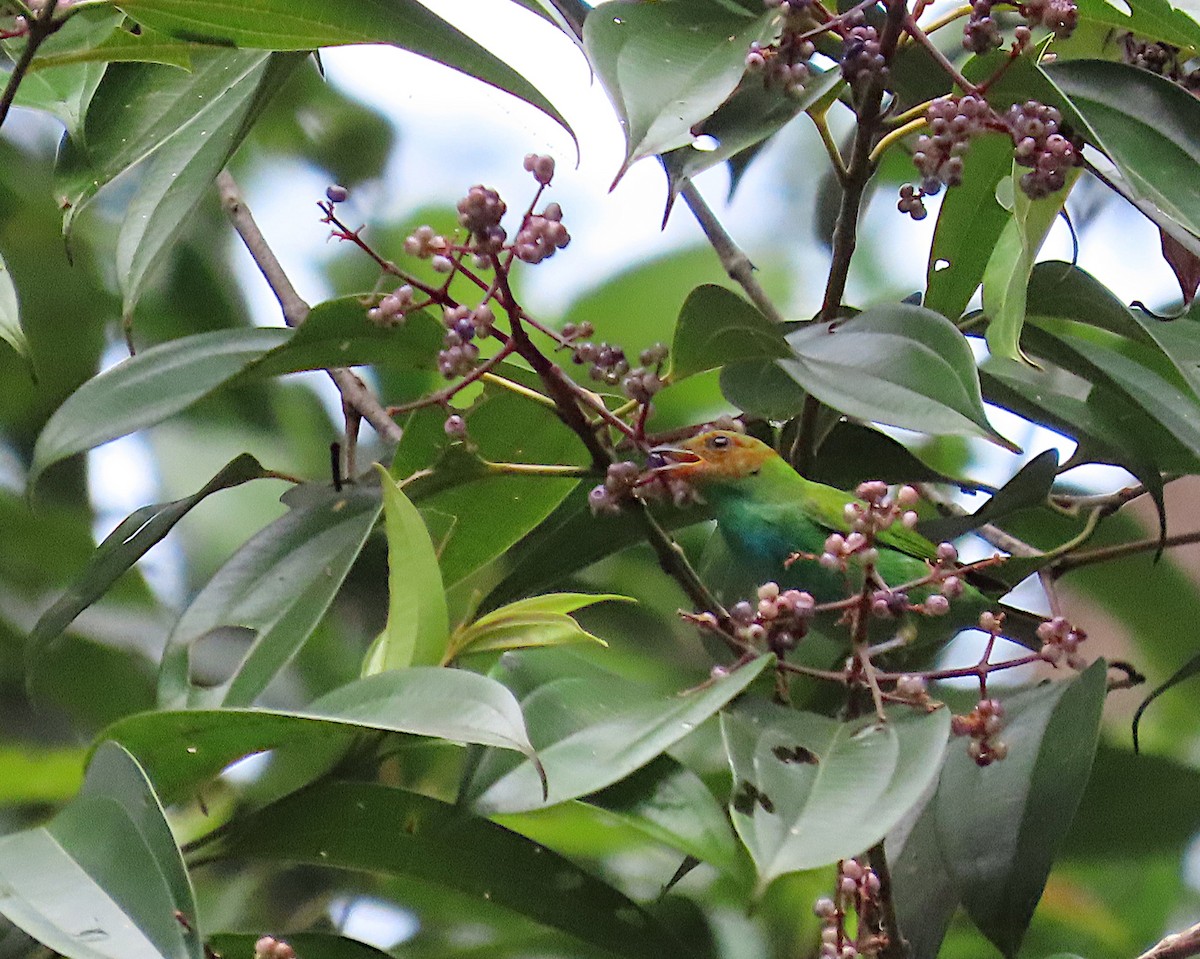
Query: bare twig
[1179,945]
[295,310]
[40,28]
[1104,554]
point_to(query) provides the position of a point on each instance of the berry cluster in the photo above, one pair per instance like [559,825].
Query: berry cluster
[642,382]
[480,211]
[1060,640]
[541,235]
[982,724]
[981,32]
[608,362]
[619,483]
[861,56]
[1057,16]
[784,63]
[779,620]
[952,121]
[463,324]
[857,890]
[392,309]
[1039,144]
[268,947]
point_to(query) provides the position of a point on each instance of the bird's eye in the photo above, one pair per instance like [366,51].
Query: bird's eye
[718,442]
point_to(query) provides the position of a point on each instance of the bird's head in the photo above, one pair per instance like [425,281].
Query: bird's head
[713,457]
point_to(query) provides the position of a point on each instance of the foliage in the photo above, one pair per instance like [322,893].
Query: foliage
[488,667]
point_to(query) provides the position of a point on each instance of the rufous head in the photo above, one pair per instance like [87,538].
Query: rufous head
[715,456]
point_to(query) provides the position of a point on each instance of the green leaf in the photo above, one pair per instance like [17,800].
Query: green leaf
[536,621]
[371,828]
[418,625]
[970,223]
[1006,277]
[123,547]
[181,172]
[666,66]
[10,315]
[309,24]
[1152,19]
[1029,487]
[1182,674]
[1001,826]
[583,754]
[146,389]
[185,748]
[715,327]
[1148,126]
[897,364]
[65,887]
[41,774]
[761,388]
[279,585]
[753,113]
[809,790]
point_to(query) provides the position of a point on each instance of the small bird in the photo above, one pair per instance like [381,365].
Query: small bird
[776,526]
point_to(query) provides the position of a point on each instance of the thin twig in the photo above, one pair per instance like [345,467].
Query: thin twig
[40,28]
[922,38]
[1104,554]
[897,946]
[295,310]
[735,262]
[1179,945]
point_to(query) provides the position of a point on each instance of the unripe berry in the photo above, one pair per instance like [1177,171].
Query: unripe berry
[456,426]
[334,193]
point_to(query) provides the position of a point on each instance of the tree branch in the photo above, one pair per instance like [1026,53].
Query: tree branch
[355,393]
[40,28]
[1180,945]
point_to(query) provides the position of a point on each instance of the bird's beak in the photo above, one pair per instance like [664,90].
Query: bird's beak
[671,460]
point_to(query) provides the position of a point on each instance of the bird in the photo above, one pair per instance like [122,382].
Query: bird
[776,527]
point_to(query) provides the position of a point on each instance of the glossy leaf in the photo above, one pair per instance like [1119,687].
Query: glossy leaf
[1153,19]
[309,24]
[181,172]
[371,828]
[1148,126]
[715,327]
[897,364]
[761,388]
[279,585]
[185,748]
[10,314]
[1000,826]
[418,625]
[123,547]
[595,752]
[809,790]
[667,66]
[753,113]
[146,389]
[66,888]
[536,621]
[1029,487]
[1006,277]
[969,224]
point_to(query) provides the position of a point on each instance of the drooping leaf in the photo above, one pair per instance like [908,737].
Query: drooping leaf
[368,827]
[10,314]
[1000,826]
[279,585]
[418,625]
[66,888]
[715,327]
[1006,276]
[1029,487]
[897,364]
[1182,674]
[182,749]
[969,224]
[181,172]
[809,790]
[1148,126]
[309,24]
[146,389]
[536,621]
[667,66]
[123,547]
[583,753]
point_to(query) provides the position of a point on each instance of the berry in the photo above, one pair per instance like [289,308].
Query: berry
[333,193]
[456,426]
[542,167]
[861,56]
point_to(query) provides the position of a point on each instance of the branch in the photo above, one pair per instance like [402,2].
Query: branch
[295,310]
[897,946]
[40,28]
[1180,945]
[735,262]
[1104,554]
[860,167]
